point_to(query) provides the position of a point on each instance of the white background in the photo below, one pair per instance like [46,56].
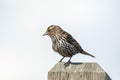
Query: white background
[26,55]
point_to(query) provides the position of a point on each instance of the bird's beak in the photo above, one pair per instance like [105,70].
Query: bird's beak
[46,33]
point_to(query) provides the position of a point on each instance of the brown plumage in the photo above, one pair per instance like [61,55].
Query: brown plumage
[64,43]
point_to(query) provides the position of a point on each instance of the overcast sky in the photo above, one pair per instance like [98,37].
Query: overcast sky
[26,55]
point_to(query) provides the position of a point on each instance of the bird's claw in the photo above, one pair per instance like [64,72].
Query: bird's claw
[67,63]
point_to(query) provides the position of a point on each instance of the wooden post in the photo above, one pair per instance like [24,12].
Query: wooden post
[77,71]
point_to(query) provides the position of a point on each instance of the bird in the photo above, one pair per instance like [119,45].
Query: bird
[63,43]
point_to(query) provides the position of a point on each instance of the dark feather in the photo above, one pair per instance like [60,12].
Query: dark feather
[72,41]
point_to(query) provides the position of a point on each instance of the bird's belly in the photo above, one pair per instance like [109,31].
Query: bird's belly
[65,49]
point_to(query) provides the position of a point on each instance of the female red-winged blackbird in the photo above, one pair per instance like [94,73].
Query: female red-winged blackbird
[64,43]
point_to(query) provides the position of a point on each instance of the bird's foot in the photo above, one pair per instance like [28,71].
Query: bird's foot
[67,63]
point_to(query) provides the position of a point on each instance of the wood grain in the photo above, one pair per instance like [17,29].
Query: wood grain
[77,71]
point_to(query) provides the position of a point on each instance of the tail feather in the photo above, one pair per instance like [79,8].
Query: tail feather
[86,53]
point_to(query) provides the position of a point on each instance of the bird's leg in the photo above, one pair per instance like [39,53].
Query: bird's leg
[67,63]
[61,59]
[69,60]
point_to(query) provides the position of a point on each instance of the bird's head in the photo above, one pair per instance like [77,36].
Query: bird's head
[52,30]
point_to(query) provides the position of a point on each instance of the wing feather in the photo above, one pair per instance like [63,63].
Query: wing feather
[72,41]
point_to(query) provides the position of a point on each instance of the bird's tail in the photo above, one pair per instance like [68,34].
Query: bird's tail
[86,53]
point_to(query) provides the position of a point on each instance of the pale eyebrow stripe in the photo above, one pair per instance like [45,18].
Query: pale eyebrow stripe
[51,27]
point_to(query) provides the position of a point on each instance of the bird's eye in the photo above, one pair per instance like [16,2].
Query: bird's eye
[48,30]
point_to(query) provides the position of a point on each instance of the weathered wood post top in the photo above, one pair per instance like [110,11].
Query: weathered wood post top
[77,71]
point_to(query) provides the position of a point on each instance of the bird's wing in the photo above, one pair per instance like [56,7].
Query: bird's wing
[72,41]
